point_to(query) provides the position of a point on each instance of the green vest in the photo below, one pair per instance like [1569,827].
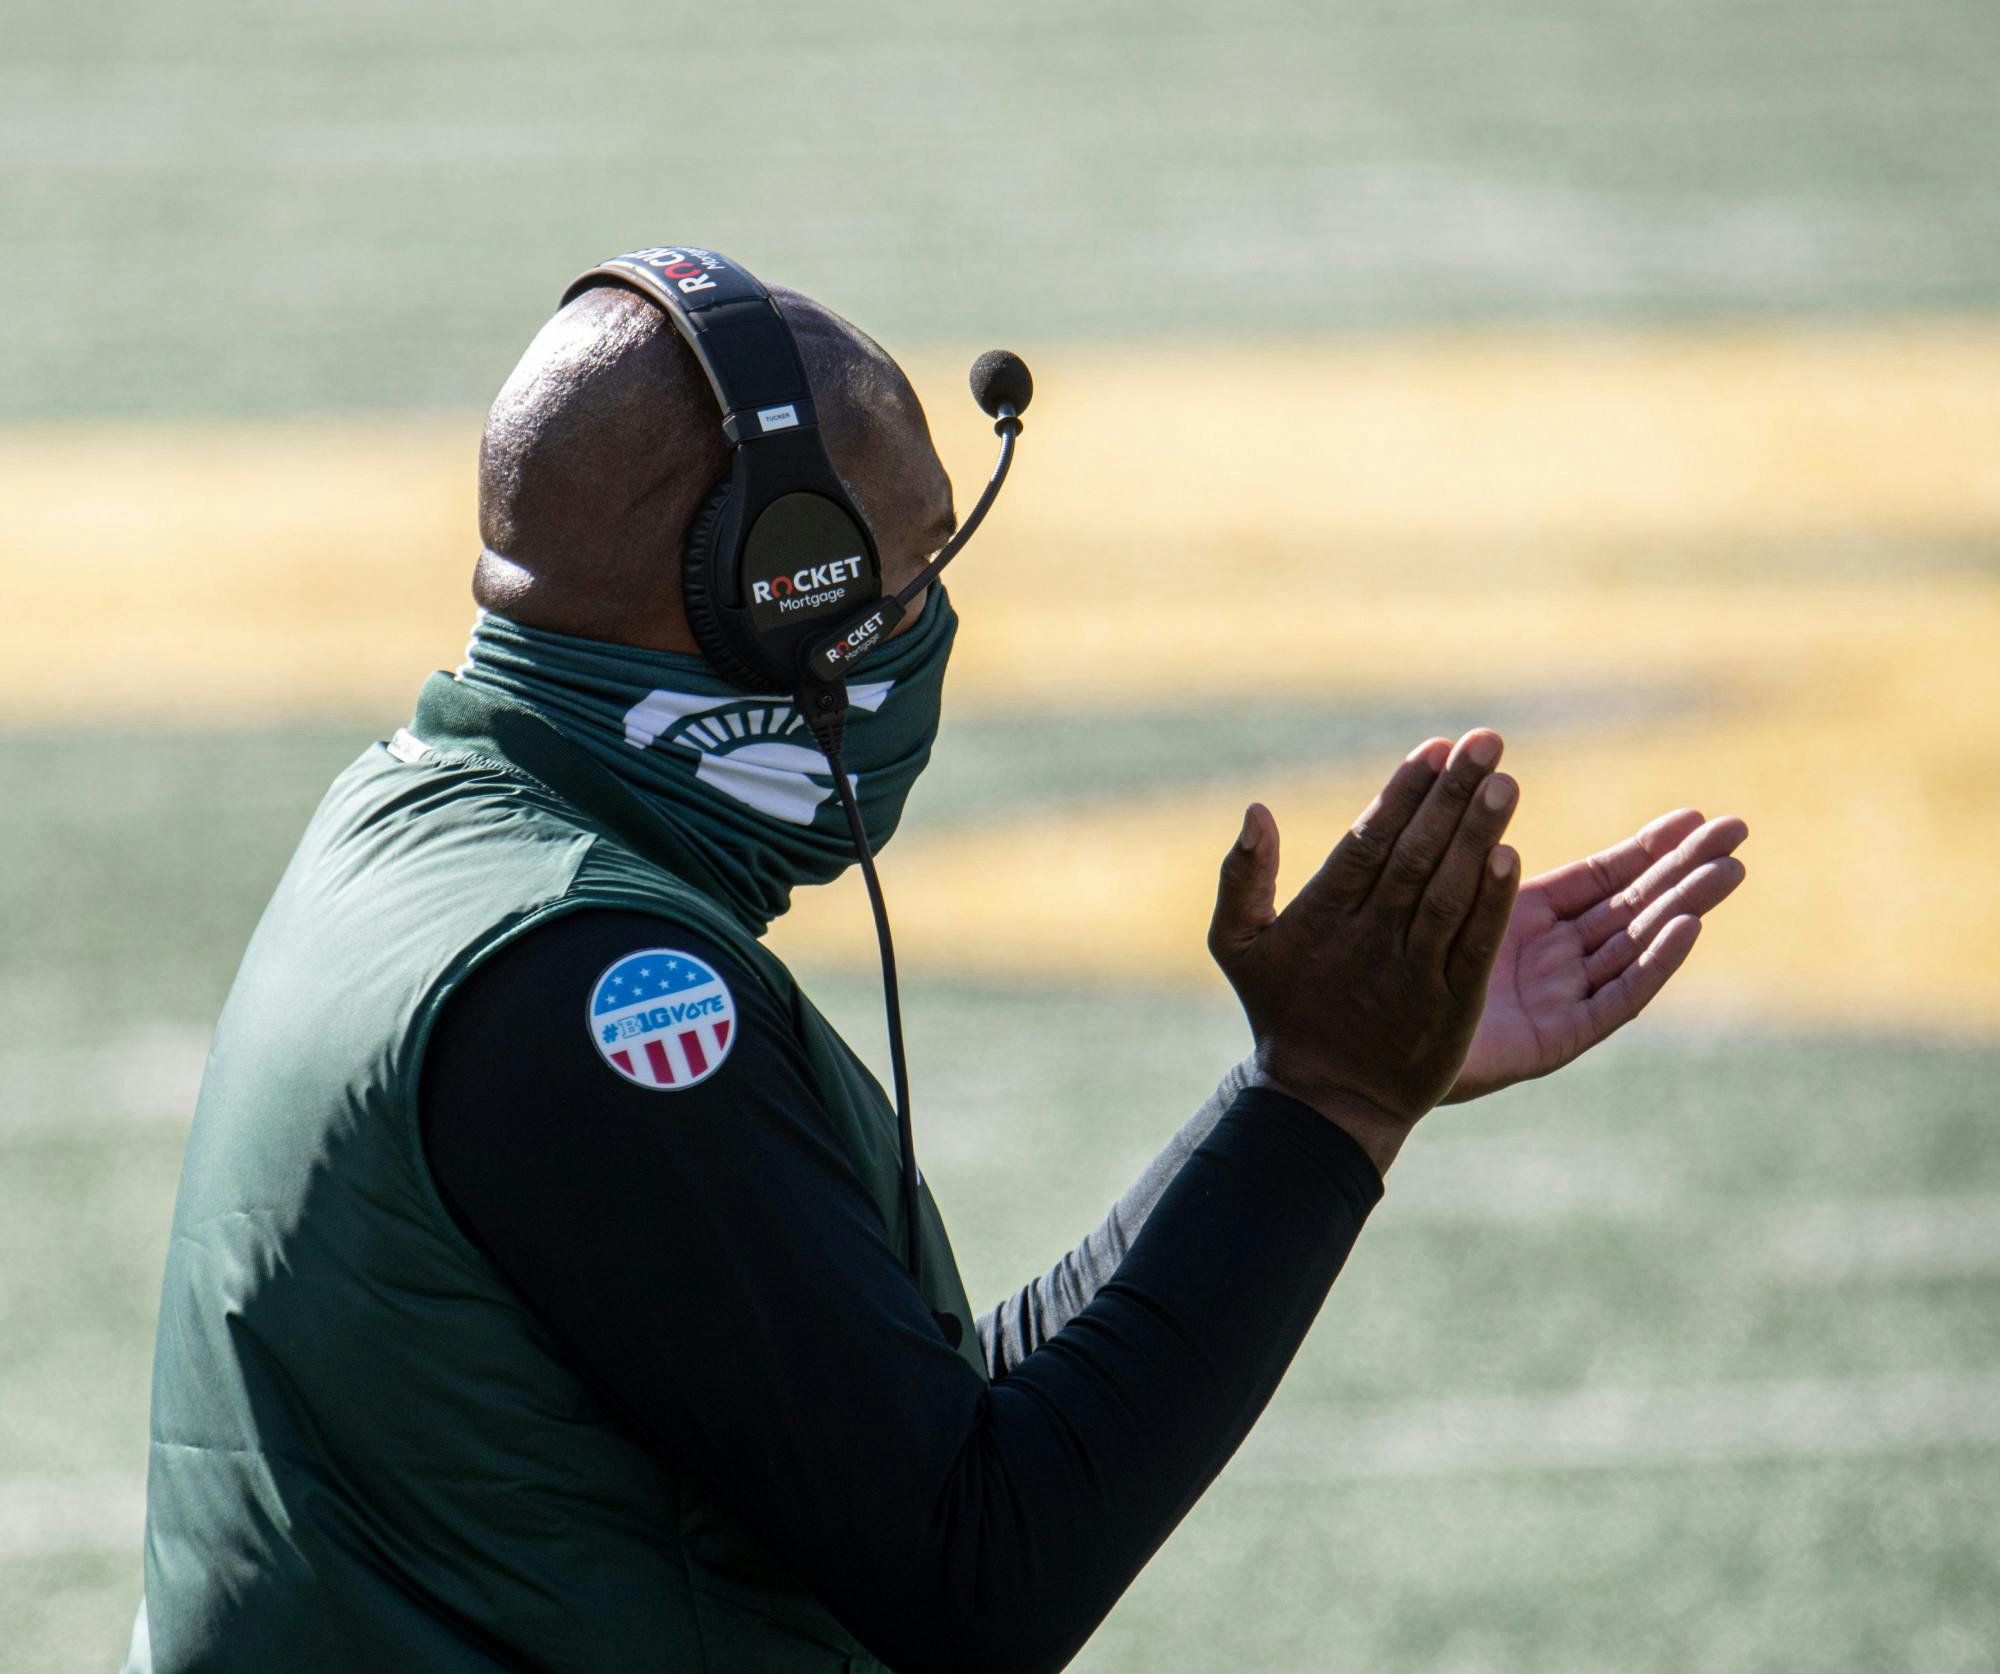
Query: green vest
[367,1454]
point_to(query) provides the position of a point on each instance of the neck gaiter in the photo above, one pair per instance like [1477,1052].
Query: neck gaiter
[734,775]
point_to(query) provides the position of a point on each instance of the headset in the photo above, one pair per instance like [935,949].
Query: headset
[781,575]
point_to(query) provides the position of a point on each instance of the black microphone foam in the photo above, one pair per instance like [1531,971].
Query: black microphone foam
[1001,377]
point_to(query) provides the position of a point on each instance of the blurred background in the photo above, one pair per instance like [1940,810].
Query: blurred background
[1624,376]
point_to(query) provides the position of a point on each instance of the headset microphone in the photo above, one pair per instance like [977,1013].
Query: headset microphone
[1003,387]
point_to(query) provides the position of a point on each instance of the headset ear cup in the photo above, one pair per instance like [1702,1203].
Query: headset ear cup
[700,594]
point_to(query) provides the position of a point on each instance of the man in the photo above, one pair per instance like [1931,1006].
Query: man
[502,1331]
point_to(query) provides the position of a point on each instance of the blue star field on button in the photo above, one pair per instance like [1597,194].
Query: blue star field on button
[648,977]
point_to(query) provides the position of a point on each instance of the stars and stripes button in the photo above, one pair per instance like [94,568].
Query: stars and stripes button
[662,1019]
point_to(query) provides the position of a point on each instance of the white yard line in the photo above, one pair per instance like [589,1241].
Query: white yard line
[89,1514]
[1946,1237]
[146,1075]
[1595,1429]
[1608,1429]
[1471,1178]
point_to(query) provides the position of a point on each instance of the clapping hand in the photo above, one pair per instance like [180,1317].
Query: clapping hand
[1591,943]
[1364,994]
[1402,917]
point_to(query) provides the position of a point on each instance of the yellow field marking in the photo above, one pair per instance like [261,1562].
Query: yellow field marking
[1873,803]
[1493,510]
[1803,526]
[1332,517]
[1747,514]
[234,572]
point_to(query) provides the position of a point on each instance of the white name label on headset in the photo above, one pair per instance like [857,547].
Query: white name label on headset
[777,418]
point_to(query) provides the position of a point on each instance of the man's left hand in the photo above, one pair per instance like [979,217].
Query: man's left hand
[1591,943]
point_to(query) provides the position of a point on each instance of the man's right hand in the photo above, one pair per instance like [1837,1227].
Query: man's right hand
[1363,994]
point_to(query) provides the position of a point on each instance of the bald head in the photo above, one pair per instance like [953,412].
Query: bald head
[606,441]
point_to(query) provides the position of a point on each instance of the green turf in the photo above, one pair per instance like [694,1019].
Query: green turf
[208,208]
[211,210]
[1686,1217]
[1823,1565]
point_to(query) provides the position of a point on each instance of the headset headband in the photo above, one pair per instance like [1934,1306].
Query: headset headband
[734,328]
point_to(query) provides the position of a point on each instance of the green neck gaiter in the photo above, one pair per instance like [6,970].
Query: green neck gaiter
[736,777]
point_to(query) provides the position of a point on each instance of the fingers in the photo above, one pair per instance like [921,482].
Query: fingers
[1581,884]
[1349,873]
[1707,886]
[1619,1001]
[1455,885]
[1711,840]
[1421,846]
[1246,892]
[1470,961]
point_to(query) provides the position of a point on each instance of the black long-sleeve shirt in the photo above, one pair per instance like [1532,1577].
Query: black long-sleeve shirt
[714,1265]
[1015,1328]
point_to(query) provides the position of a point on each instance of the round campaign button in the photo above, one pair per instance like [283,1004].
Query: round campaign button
[662,1019]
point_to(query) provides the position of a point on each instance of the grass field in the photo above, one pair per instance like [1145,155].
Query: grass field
[1627,378]
[1682,1360]
[213,209]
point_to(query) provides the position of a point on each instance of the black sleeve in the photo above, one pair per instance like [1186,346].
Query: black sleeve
[1015,1328]
[711,1260]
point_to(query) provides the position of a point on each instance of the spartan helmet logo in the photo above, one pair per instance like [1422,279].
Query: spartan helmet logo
[755,749]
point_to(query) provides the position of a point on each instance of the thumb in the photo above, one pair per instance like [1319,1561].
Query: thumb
[1246,892]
